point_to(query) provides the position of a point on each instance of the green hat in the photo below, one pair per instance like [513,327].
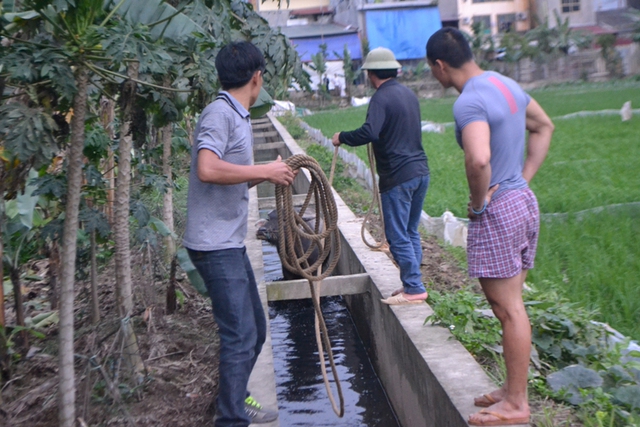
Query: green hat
[381,58]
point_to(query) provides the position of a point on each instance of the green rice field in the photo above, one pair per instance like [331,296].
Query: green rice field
[588,190]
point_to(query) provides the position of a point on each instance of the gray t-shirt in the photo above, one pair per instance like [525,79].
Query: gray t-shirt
[217,214]
[500,102]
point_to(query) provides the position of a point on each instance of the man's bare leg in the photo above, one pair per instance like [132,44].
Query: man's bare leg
[505,297]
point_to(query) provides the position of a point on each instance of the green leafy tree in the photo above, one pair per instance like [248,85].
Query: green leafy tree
[557,40]
[482,45]
[319,65]
[611,56]
[350,74]
[516,46]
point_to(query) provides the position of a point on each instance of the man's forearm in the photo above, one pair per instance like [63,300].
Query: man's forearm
[229,174]
[479,179]
[537,149]
[540,129]
[355,138]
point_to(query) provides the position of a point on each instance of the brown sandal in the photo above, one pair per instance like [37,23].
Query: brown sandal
[485,401]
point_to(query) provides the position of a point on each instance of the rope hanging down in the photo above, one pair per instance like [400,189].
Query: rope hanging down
[325,241]
[375,202]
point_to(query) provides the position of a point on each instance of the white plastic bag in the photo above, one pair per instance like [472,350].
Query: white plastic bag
[455,231]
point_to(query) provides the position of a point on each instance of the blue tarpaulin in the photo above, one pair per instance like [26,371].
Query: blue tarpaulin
[310,46]
[404,31]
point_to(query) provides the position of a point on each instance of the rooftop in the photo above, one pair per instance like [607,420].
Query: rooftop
[315,30]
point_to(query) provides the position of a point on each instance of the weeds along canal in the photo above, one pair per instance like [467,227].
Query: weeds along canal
[302,396]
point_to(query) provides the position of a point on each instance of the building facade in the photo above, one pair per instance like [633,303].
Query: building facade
[581,13]
[497,16]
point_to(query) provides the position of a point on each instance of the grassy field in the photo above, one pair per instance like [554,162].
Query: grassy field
[593,161]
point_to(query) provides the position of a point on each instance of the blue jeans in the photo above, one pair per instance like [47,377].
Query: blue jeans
[402,207]
[242,325]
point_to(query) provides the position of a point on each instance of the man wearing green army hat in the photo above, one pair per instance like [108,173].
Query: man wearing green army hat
[394,129]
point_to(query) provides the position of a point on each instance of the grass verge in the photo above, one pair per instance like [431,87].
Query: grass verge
[593,162]
[563,335]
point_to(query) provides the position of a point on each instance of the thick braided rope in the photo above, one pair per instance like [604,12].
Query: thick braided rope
[374,202]
[324,237]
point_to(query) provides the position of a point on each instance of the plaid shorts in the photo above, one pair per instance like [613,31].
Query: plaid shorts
[502,241]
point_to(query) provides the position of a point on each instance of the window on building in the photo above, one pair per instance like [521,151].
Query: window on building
[485,20]
[570,6]
[506,23]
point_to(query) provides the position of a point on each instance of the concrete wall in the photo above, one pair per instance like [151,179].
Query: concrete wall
[293,4]
[544,9]
[588,65]
[448,10]
[467,9]
[630,58]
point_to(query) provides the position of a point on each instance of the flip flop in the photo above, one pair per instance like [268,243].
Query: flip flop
[500,420]
[485,401]
[401,300]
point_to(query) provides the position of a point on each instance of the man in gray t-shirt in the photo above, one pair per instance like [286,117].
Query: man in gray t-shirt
[222,171]
[493,115]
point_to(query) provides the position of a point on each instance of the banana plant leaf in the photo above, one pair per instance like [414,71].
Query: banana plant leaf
[194,277]
[262,105]
[164,20]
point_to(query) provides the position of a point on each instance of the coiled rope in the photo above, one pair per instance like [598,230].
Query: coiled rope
[324,239]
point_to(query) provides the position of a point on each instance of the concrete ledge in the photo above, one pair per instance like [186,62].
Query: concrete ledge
[263,134]
[269,146]
[270,202]
[262,126]
[331,286]
[262,383]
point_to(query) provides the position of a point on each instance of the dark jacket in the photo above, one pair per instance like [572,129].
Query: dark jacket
[394,129]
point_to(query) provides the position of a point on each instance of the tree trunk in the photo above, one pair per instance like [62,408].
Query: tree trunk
[107,116]
[188,125]
[95,305]
[171,291]
[121,207]
[67,387]
[121,224]
[54,273]
[167,213]
[4,361]
[14,274]
[2,321]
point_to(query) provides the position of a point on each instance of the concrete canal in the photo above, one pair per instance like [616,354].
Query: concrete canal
[428,378]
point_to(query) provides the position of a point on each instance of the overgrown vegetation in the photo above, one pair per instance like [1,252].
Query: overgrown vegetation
[90,91]
[574,359]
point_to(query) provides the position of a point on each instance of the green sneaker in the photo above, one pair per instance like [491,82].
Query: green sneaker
[257,413]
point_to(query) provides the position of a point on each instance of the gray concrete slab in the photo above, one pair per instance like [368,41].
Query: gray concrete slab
[270,202]
[262,383]
[331,286]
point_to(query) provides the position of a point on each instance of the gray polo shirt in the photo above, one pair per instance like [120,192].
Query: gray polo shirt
[217,214]
[499,101]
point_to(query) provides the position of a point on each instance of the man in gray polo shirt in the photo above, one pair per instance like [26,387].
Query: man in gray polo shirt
[221,173]
[496,124]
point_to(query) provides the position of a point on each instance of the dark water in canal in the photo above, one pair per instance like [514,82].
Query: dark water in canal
[302,397]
